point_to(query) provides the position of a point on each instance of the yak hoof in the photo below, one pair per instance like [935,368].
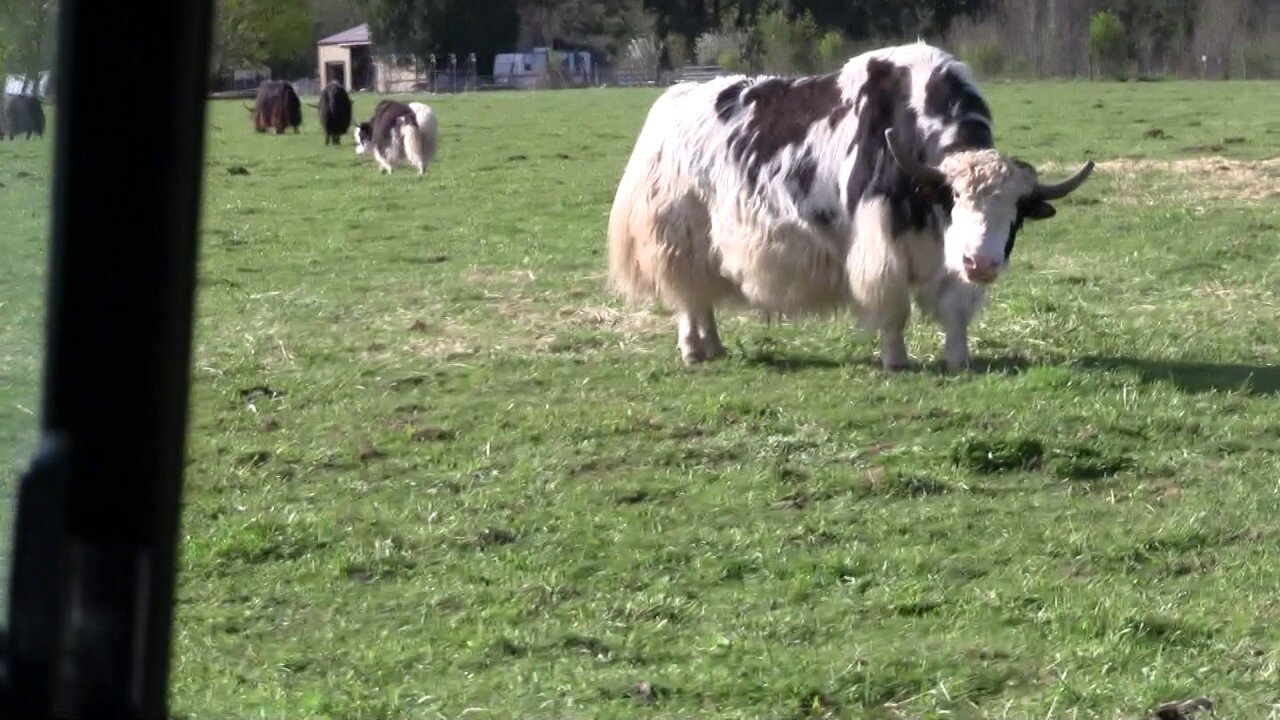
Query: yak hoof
[693,355]
[700,355]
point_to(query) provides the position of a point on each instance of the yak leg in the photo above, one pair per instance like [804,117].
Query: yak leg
[879,281]
[698,339]
[688,278]
[893,325]
[712,348]
[957,304]
[689,341]
[383,161]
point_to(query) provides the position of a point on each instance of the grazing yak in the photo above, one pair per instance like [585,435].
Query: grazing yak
[23,115]
[276,107]
[335,113]
[398,133]
[857,189]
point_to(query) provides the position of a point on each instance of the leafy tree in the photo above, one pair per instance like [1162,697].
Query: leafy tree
[788,46]
[333,16]
[1108,44]
[833,50]
[28,29]
[604,24]
[425,27]
[250,33]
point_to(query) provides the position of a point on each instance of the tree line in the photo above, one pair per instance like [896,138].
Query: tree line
[1028,38]
[28,35]
[1034,38]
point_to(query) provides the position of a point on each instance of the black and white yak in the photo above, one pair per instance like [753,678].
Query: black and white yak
[276,108]
[857,189]
[334,108]
[399,133]
[22,115]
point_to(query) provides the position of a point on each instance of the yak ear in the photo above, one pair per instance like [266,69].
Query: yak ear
[1035,208]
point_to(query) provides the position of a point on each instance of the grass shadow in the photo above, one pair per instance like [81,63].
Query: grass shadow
[779,362]
[1194,377]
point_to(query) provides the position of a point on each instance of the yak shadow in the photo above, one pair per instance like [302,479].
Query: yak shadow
[998,365]
[797,362]
[786,363]
[1194,377]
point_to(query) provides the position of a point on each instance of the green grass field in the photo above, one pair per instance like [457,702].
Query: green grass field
[436,470]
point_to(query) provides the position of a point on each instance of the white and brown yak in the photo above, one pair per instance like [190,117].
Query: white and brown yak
[859,189]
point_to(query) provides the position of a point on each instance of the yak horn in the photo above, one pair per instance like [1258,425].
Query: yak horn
[923,174]
[1066,187]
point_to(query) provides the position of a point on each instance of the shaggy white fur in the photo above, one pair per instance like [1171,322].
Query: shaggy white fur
[688,227]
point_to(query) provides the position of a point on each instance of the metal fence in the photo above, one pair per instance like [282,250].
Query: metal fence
[657,77]
[434,79]
[307,86]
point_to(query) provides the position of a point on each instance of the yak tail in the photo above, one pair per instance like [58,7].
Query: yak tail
[426,118]
[412,142]
[246,107]
[313,105]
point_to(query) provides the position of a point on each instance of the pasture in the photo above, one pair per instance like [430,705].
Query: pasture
[437,470]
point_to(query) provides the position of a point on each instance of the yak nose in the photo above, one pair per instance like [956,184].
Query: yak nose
[980,269]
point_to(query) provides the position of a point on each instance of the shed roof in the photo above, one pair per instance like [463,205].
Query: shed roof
[358,35]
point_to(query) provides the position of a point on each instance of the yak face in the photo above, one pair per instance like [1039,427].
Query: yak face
[989,196]
[363,135]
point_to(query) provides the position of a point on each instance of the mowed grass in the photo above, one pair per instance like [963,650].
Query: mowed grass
[437,470]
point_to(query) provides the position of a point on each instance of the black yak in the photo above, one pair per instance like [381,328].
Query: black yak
[23,115]
[277,107]
[335,112]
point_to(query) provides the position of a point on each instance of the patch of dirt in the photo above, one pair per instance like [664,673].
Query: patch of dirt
[367,453]
[1085,463]
[1184,710]
[446,348]
[431,434]
[259,391]
[999,455]
[489,276]
[1210,177]
[494,536]
[633,497]
[631,325]
[256,458]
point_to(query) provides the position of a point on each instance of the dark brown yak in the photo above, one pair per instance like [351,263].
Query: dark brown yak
[277,107]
